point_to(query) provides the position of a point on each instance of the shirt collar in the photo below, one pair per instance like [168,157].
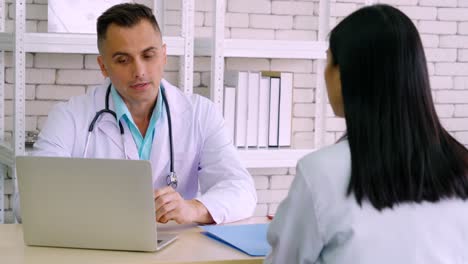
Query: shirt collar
[121,108]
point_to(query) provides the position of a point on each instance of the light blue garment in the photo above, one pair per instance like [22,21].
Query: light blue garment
[319,223]
[143,144]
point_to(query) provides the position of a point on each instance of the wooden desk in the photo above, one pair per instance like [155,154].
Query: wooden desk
[190,247]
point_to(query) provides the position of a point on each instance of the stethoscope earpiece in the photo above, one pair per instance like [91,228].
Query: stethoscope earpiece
[171,179]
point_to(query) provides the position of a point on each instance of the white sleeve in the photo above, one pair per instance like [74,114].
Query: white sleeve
[227,189]
[57,137]
[294,233]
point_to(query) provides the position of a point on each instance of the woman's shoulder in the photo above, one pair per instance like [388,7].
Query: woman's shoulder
[326,172]
[333,158]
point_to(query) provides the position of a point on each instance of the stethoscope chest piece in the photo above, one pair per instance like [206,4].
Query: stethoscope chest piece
[171,180]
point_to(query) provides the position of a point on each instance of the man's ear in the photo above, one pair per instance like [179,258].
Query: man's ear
[100,61]
[164,53]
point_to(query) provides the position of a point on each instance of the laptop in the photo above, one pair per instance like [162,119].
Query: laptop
[88,203]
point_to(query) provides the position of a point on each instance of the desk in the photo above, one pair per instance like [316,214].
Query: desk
[190,247]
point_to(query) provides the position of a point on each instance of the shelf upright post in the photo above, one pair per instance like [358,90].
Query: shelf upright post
[158,11]
[3,168]
[320,94]
[20,79]
[217,55]
[186,61]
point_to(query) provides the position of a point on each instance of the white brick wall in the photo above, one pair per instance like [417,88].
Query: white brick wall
[236,20]
[453,14]
[454,69]
[420,13]
[463,55]
[33,76]
[62,61]
[292,8]
[454,41]
[79,77]
[302,124]
[58,92]
[441,82]
[271,22]
[303,95]
[433,55]
[249,6]
[304,110]
[463,3]
[443,25]
[438,3]
[430,41]
[244,33]
[437,27]
[303,140]
[463,28]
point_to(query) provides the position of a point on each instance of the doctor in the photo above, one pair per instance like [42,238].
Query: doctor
[149,111]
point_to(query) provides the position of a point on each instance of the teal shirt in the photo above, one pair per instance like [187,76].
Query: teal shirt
[143,144]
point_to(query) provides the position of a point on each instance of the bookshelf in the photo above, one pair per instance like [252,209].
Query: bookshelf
[220,48]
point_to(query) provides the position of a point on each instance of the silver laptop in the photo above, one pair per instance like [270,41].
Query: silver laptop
[88,203]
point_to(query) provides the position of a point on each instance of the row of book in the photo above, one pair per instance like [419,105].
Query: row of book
[258,108]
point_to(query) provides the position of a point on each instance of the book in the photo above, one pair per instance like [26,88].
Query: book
[252,109]
[229,110]
[285,109]
[263,111]
[239,80]
[273,122]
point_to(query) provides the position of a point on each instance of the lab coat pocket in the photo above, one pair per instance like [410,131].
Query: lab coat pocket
[186,161]
[186,169]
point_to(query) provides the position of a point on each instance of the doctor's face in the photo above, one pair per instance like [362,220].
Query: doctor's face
[134,58]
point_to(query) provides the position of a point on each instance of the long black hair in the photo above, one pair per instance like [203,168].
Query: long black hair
[399,150]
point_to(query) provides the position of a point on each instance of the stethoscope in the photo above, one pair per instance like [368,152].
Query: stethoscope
[171,179]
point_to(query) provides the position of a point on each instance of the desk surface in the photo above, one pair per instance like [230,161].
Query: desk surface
[191,247]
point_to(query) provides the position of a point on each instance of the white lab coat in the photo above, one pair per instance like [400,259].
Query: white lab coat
[204,156]
[319,223]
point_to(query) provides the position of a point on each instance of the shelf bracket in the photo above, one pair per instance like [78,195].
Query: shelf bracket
[2,116]
[217,56]
[186,60]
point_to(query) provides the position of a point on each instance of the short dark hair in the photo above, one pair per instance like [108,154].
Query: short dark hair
[124,15]
[399,150]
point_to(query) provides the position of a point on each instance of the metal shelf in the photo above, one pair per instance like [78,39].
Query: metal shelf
[271,49]
[272,158]
[73,43]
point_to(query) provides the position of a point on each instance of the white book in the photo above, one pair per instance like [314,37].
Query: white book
[263,111]
[240,81]
[252,109]
[229,110]
[285,113]
[274,112]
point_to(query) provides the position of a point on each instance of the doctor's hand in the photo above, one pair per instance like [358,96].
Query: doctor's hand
[171,206]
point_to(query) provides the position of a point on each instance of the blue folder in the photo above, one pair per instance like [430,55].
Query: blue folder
[250,239]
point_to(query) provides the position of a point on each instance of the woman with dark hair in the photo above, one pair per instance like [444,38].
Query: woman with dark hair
[394,189]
